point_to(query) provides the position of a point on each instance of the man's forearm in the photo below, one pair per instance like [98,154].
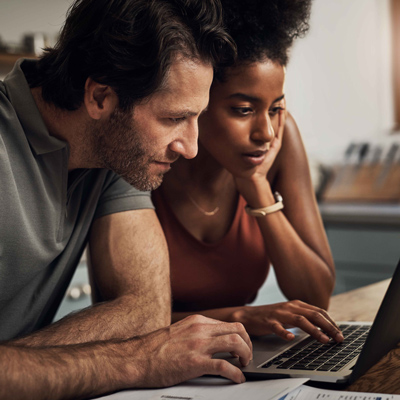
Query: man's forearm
[162,358]
[118,319]
[77,371]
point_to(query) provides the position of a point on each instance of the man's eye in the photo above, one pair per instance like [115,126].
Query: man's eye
[178,119]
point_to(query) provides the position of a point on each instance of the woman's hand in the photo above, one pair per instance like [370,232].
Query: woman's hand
[275,146]
[253,185]
[274,318]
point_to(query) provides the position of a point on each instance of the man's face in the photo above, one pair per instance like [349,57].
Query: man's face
[141,145]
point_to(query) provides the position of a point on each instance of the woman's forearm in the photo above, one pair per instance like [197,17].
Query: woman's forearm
[301,272]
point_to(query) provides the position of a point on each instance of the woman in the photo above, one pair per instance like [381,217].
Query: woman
[221,212]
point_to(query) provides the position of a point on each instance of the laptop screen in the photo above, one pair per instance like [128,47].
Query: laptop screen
[385,331]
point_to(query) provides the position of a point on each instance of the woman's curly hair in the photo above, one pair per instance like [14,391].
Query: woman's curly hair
[265,28]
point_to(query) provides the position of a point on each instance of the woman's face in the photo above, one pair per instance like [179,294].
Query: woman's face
[242,115]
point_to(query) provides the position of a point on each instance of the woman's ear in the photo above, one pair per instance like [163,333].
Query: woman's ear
[100,100]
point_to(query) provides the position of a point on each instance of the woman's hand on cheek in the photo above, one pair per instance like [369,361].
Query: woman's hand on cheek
[274,147]
[253,185]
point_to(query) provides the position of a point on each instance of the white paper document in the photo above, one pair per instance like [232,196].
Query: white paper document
[309,393]
[214,389]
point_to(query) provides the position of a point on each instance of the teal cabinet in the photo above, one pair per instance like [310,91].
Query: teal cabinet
[365,242]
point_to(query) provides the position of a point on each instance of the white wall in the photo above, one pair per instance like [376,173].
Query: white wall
[339,84]
[31,16]
[339,78]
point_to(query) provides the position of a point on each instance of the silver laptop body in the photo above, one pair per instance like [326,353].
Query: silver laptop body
[383,335]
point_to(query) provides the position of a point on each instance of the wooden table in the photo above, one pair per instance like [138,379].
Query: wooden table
[362,305]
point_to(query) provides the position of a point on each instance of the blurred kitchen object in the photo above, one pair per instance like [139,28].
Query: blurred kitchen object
[34,43]
[369,173]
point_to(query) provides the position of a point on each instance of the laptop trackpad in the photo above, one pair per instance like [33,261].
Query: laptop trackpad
[266,347]
[275,343]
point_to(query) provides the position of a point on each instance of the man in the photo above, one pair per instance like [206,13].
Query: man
[118,96]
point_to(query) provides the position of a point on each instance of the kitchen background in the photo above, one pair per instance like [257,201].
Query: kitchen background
[340,89]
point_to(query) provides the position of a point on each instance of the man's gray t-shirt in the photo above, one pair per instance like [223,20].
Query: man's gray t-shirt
[45,212]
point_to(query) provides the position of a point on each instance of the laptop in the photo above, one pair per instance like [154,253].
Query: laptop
[304,357]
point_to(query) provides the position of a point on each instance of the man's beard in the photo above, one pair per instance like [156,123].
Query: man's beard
[117,146]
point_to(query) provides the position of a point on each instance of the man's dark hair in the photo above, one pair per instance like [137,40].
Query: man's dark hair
[265,28]
[129,45]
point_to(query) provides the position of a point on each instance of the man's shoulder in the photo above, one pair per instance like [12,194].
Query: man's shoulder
[8,120]
[118,195]
[3,94]
[6,105]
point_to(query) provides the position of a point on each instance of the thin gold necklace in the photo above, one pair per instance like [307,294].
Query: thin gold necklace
[202,210]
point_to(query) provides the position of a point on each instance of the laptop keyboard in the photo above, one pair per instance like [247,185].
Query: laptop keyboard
[311,355]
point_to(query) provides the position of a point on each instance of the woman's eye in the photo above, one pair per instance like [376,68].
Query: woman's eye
[275,110]
[242,110]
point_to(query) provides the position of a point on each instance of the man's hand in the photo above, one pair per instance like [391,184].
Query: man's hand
[165,357]
[273,318]
[184,351]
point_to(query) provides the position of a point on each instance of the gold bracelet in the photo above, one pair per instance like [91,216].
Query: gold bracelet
[262,212]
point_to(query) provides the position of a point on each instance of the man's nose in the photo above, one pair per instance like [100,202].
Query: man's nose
[186,144]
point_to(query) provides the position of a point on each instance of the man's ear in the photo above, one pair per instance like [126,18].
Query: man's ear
[100,100]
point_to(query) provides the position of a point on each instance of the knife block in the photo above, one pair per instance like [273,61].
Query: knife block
[379,183]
